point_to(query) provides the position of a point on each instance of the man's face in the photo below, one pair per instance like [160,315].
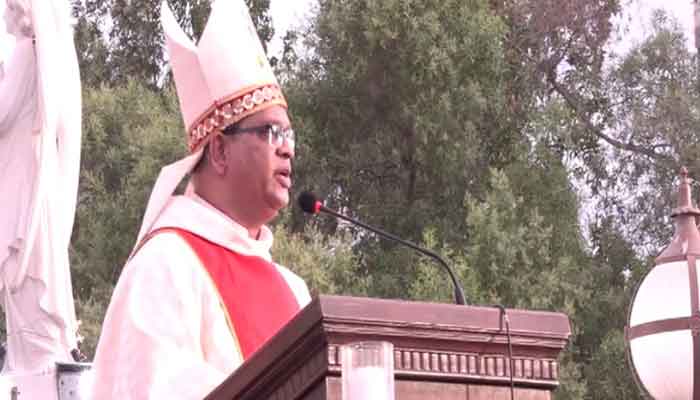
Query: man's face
[258,171]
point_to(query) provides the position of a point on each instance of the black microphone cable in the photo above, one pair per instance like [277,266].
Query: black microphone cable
[504,320]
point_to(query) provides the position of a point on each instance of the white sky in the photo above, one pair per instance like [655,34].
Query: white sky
[290,13]
[639,13]
[682,10]
[287,14]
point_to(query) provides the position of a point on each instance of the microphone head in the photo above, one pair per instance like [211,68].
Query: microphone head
[308,202]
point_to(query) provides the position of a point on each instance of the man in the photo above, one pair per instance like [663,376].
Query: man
[200,293]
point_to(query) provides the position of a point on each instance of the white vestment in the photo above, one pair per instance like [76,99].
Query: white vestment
[165,335]
[40,112]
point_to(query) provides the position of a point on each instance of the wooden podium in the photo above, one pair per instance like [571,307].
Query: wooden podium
[441,351]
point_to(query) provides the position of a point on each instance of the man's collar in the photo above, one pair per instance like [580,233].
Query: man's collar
[195,214]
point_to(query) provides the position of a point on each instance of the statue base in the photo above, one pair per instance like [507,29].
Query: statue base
[65,381]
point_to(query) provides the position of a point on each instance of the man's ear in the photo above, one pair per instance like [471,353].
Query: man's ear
[218,155]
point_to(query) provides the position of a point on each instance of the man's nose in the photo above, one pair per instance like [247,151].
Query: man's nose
[286,149]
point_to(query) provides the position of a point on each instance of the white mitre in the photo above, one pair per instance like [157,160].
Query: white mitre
[222,80]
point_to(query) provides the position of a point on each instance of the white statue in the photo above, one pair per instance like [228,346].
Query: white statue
[39,165]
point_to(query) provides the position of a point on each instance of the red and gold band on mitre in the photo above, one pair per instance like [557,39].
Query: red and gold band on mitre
[231,110]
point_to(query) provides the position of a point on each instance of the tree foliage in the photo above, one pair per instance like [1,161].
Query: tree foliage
[121,40]
[460,116]
[326,262]
[416,109]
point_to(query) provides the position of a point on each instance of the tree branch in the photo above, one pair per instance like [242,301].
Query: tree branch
[583,116]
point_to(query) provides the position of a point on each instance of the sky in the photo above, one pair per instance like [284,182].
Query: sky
[286,14]
[641,10]
[290,13]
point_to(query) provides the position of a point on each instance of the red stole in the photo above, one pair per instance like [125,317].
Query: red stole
[255,296]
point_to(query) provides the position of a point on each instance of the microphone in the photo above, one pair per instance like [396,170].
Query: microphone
[310,204]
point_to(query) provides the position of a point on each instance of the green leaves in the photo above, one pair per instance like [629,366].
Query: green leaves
[122,40]
[397,95]
[327,263]
[604,369]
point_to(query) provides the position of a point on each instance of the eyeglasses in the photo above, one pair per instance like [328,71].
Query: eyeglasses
[275,134]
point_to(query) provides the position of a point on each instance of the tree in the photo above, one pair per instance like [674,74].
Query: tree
[327,263]
[410,113]
[616,270]
[91,48]
[119,40]
[553,48]
[629,138]
[415,110]
[655,97]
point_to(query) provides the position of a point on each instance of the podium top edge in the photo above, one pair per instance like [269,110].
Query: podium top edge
[536,322]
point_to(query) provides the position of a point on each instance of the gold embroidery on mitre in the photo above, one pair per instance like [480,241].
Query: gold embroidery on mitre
[231,110]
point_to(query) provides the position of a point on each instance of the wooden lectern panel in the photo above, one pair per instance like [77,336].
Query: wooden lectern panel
[441,351]
[424,390]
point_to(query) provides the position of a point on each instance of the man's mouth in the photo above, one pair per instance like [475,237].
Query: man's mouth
[284,177]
